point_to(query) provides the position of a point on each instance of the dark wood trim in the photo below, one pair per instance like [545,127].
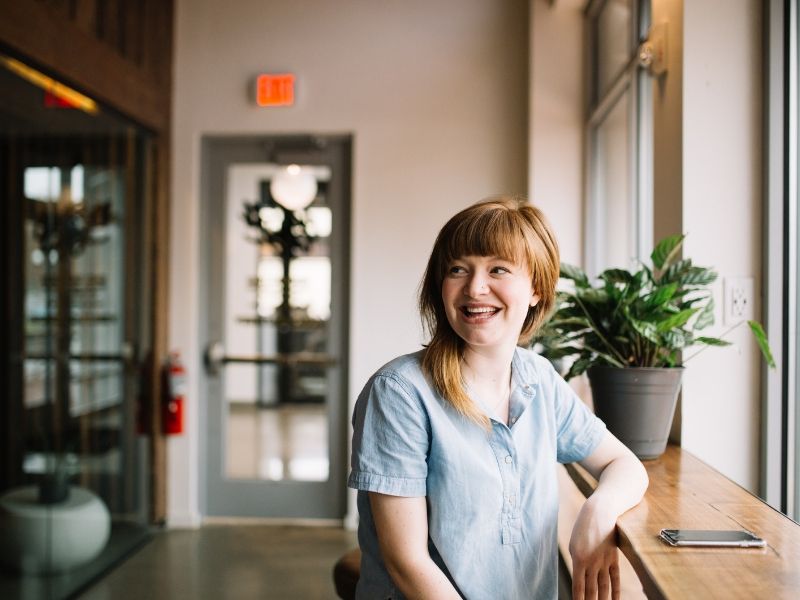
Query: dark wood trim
[159,255]
[11,301]
[53,42]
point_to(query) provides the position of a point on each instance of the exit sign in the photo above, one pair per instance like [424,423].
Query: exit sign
[275,89]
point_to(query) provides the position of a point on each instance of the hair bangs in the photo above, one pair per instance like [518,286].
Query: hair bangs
[490,233]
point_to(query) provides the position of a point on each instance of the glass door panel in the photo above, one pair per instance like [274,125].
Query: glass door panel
[276,315]
[278,295]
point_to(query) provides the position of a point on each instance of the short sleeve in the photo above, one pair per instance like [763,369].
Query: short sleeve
[578,431]
[391,439]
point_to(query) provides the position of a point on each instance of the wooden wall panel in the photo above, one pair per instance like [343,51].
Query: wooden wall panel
[84,15]
[60,41]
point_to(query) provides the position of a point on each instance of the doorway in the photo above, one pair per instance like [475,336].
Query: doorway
[274,318]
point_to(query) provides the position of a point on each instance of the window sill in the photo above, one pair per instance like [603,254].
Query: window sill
[686,493]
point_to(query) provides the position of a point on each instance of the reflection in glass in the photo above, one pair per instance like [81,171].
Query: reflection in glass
[278,305]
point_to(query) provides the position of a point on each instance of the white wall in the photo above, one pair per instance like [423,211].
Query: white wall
[435,95]
[555,170]
[722,199]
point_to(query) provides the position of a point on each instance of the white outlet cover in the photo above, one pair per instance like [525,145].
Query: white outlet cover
[739,295]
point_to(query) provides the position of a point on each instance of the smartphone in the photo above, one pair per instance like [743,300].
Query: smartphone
[712,537]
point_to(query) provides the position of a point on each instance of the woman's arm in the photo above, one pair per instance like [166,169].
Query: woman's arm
[622,482]
[402,526]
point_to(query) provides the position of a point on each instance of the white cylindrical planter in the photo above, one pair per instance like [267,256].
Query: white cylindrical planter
[40,538]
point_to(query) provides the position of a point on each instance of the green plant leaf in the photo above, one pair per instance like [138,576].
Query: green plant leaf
[676,339]
[616,276]
[646,329]
[661,295]
[666,251]
[579,367]
[576,274]
[711,341]
[675,271]
[560,352]
[699,276]
[761,340]
[675,321]
[594,296]
[604,355]
[706,315]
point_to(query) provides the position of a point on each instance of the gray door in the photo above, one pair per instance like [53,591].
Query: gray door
[274,313]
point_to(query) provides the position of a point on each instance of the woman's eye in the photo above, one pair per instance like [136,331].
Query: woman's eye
[500,270]
[456,270]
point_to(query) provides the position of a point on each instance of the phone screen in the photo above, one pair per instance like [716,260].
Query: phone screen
[704,537]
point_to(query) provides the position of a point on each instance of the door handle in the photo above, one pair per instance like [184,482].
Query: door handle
[215,358]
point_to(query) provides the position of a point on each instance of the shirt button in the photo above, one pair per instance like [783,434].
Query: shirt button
[508,460]
[513,420]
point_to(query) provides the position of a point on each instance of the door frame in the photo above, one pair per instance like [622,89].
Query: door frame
[218,152]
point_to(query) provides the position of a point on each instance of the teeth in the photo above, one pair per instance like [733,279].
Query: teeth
[482,309]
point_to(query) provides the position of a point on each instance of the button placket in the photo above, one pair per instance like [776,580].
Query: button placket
[505,451]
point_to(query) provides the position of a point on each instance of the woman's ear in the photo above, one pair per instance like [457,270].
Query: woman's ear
[534,299]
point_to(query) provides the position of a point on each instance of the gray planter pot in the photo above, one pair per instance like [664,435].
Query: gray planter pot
[637,405]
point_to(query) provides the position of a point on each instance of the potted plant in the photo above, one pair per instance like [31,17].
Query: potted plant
[628,333]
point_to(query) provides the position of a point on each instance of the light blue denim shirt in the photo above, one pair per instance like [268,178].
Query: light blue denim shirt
[492,497]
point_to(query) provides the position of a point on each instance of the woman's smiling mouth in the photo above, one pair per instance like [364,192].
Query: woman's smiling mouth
[479,313]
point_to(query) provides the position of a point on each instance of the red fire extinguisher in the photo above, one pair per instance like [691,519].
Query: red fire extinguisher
[172,414]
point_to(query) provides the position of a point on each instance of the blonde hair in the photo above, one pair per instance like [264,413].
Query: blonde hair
[503,226]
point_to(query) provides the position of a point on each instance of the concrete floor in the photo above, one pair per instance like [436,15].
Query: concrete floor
[230,561]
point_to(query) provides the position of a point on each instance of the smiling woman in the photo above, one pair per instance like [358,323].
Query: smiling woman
[518,238]
[454,447]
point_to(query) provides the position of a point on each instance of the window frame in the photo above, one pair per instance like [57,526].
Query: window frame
[780,481]
[636,82]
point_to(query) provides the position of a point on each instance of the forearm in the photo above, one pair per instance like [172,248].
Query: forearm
[422,579]
[402,526]
[621,485]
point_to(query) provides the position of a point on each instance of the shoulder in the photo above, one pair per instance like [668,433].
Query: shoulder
[407,365]
[400,376]
[396,391]
[405,371]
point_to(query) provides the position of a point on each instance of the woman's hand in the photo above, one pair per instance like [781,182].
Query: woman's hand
[595,559]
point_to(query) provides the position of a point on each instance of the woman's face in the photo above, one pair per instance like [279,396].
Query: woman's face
[486,300]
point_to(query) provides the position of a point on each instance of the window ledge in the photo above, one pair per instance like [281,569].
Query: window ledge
[686,493]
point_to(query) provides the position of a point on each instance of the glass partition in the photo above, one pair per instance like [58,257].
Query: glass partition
[73,183]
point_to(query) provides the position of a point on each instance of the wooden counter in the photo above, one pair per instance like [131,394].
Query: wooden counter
[686,493]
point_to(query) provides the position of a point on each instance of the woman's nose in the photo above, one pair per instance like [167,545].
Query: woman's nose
[476,285]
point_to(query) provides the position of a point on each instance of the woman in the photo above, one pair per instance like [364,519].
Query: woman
[455,447]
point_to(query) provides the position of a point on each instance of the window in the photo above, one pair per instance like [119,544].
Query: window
[619,133]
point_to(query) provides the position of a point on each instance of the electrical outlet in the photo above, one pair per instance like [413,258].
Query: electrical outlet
[739,293]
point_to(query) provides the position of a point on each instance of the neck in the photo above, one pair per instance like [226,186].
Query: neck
[490,369]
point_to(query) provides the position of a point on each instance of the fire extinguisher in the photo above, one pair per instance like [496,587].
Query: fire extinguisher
[173,406]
